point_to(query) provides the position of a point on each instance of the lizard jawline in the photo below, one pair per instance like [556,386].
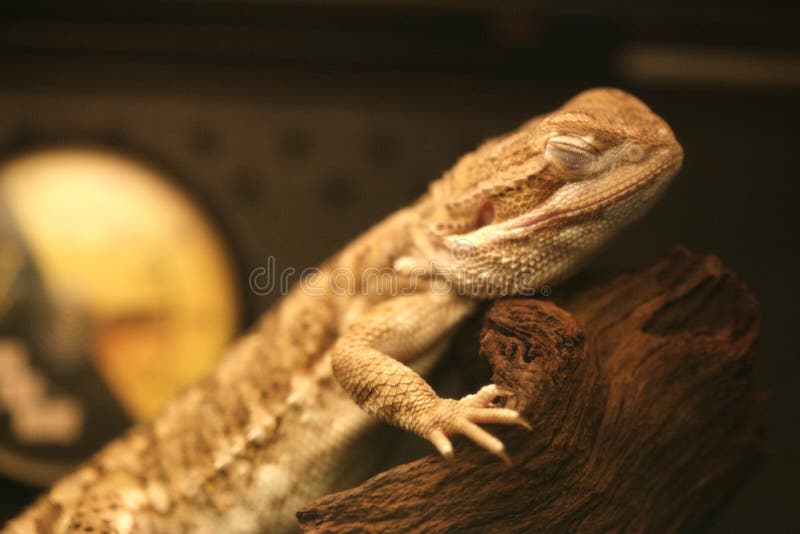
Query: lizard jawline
[527,221]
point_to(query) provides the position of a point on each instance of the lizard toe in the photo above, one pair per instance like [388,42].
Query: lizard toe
[463,416]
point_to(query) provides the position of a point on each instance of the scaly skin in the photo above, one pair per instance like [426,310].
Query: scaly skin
[275,427]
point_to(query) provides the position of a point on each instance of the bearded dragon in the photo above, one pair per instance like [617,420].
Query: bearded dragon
[276,426]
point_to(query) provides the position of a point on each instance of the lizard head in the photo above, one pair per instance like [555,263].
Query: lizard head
[526,209]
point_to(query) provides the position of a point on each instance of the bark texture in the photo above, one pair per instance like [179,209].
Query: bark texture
[639,388]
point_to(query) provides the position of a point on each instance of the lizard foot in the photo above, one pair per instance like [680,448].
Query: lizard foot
[452,417]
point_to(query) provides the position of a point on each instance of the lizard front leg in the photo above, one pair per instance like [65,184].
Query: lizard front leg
[368,363]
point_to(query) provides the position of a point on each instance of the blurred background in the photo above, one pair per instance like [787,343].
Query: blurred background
[153,154]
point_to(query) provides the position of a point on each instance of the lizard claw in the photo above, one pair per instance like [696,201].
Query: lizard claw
[486,395]
[461,417]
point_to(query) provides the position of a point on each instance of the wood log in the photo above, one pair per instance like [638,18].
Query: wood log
[640,391]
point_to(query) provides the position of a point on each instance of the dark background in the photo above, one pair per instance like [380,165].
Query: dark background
[299,124]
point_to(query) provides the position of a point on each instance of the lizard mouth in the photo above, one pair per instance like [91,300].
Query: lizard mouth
[665,170]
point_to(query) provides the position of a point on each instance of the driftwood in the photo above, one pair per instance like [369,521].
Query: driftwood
[643,407]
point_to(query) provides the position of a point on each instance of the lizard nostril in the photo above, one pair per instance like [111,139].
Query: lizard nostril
[634,153]
[485,214]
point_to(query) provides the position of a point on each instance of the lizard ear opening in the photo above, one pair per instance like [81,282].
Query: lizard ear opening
[485,214]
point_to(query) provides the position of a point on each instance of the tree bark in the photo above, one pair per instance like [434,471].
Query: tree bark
[640,391]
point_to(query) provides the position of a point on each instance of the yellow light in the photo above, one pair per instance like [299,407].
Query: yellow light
[114,239]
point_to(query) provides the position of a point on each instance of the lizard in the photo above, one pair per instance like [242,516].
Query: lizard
[275,425]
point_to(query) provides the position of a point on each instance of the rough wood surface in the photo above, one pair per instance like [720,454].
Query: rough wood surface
[639,388]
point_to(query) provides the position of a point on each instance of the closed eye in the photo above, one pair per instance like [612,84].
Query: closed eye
[570,151]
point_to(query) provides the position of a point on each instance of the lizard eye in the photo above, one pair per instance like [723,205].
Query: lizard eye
[569,151]
[485,214]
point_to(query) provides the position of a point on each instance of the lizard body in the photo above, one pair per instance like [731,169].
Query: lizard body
[276,426]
